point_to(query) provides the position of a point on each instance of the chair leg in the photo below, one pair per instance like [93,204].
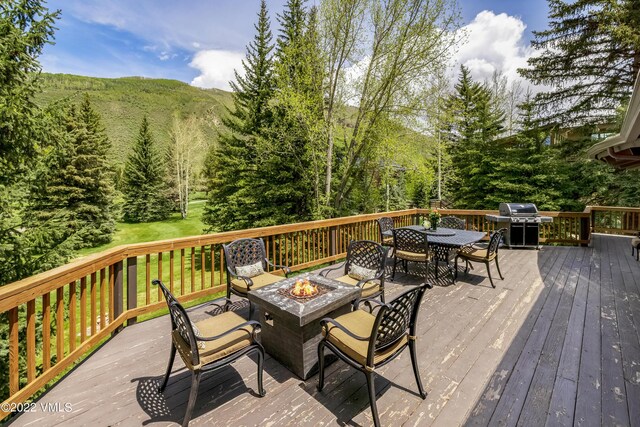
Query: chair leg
[393,272]
[489,272]
[372,397]
[193,394]
[320,365]
[416,371]
[261,390]
[455,266]
[172,357]
[498,267]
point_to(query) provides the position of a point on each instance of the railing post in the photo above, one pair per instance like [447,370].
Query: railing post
[132,287]
[333,240]
[585,229]
[118,295]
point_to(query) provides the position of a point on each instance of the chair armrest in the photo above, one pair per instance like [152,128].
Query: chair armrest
[284,268]
[367,301]
[253,323]
[323,323]
[216,302]
[326,271]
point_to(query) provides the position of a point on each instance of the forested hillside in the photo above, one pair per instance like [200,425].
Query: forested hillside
[123,102]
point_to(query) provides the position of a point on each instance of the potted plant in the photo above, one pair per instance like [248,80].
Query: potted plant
[434,219]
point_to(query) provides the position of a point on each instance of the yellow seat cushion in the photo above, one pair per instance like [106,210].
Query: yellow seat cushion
[413,256]
[259,281]
[360,323]
[368,289]
[476,254]
[211,351]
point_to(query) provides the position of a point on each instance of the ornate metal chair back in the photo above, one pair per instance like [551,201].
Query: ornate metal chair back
[384,224]
[494,243]
[183,326]
[408,240]
[453,222]
[169,298]
[399,317]
[244,252]
[367,254]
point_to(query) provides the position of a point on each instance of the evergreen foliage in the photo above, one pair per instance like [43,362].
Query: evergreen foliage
[77,180]
[475,125]
[145,189]
[590,58]
[231,167]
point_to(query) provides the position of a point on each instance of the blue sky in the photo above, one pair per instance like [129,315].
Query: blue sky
[201,41]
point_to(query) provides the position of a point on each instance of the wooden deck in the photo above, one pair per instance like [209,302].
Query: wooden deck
[557,342]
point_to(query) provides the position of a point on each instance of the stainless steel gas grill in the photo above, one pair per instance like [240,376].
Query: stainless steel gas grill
[522,222]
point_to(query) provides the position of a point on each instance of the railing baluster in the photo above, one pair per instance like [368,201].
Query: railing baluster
[103,285]
[159,275]
[147,264]
[171,272]
[59,324]
[83,309]
[203,268]
[182,271]
[31,340]
[94,312]
[14,367]
[46,331]
[73,302]
[193,269]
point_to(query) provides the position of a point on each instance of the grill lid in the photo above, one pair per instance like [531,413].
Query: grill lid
[518,209]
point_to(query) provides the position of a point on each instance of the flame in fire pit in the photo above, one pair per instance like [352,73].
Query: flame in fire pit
[304,288]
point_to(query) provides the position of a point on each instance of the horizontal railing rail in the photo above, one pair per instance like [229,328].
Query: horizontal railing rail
[57,317]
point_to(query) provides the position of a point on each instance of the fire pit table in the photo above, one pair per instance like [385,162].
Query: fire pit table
[291,325]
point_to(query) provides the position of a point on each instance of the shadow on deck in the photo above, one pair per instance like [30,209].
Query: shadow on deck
[556,342]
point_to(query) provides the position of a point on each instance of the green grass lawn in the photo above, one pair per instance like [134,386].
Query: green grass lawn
[174,227]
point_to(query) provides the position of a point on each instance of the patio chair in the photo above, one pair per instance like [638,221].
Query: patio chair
[246,262]
[410,245]
[635,244]
[366,341]
[453,222]
[209,344]
[385,225]
[364,268]
[481,254]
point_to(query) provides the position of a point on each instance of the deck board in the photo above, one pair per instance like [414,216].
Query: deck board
[557,343]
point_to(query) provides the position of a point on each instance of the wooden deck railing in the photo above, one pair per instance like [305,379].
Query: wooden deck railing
[614,220]
[57,317]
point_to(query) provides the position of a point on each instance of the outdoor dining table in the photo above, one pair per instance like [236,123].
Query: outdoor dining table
[443,240]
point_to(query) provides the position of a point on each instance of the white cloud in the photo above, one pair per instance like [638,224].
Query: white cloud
[493,43]
[216,68]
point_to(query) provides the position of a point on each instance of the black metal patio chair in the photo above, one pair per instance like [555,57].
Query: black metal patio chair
[247,264]
[385,226]
[364,268]
[210,344]
[366,341]
[482,254]
[453,222]
[410,245]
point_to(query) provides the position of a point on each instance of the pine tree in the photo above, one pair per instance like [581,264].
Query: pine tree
[145,190]
[77,178]
[231,167]
[476,124]
[590,57]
